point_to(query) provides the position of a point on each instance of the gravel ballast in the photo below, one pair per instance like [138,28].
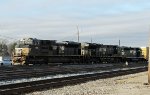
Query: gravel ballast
[123,85]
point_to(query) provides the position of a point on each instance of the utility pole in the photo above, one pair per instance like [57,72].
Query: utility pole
[78,34]
[149,62]
[91,40]
[148,59]
[119,42]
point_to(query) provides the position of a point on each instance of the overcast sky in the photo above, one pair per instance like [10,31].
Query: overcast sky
[103,21]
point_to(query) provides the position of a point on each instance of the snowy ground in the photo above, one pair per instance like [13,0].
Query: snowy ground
[124,85]
[5,82]
[44,78]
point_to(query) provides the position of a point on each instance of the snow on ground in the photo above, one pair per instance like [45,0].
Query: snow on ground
[123,85]
[5,82]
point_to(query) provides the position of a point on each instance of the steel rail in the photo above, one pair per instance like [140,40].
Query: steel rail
[19,73]
[26,87]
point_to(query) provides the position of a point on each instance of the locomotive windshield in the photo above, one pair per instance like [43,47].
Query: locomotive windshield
[22,46]
[27,42]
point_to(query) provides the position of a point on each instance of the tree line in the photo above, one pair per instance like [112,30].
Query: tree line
[6,48]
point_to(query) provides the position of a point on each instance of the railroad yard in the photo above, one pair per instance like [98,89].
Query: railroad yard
[74,47]
[123,85]
[26,79]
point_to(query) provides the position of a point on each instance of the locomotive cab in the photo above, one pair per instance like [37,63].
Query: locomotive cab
[21,51]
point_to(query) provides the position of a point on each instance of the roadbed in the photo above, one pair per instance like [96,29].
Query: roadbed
[133,84]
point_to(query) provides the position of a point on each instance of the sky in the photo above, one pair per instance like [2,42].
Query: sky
[99,21]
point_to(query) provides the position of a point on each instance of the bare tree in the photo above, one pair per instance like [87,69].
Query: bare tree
[3,47]
[11,47]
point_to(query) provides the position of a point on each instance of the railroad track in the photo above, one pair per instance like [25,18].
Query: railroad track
[23,72]
[20,88]
[20,72]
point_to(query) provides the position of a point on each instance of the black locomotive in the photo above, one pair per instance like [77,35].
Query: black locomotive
[35,51]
